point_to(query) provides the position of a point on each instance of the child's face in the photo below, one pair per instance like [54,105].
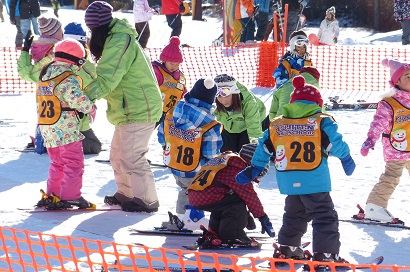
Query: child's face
[226,101]
[329,16]
[172,66]
[404,81]
[301,50]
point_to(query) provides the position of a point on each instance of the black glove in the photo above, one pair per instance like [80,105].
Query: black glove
[181,7]
[267,226]
[28,41]
[335,39]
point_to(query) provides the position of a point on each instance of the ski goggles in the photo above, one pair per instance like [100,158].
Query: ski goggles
[226,91]
[302,42]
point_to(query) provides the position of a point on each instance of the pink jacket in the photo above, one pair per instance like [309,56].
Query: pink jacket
[382,123]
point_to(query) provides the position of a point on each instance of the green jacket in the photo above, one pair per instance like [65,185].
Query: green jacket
[250,118]
[126,79]
[282,96]
[30,72]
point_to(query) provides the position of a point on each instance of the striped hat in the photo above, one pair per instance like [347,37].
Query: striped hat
[97,14]
[48,26]
[247,151]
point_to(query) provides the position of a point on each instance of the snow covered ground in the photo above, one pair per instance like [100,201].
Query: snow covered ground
[22,175]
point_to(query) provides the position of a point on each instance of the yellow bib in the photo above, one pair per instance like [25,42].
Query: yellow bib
[401,125]
[171,90]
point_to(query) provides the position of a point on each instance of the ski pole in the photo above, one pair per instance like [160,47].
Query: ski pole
[255,11]
[142,31]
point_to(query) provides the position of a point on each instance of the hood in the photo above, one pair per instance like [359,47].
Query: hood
[192,114]
[300,108]
[122,26]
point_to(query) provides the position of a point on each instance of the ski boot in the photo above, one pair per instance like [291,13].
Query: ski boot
[81,203]
[174,223]
[44,201]
[208,239]
[326,257]
[111,200]
[291,252]
[55,203]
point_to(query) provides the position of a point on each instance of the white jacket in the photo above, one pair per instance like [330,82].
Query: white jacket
[142,11]
[328,31]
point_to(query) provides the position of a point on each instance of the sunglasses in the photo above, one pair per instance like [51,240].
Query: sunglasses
[302,42]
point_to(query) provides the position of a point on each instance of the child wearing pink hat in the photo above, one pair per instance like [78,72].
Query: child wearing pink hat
[171,80]
[390,122]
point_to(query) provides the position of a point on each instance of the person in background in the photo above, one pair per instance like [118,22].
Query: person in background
[134,105]
[294,9]
[402,14]
[16,21]
[389,122]
[282,96]
[295,59]
[262,18]
[240,112]
[244,12]
[29,12]
[329,28]
[61,131]
[191,137]
[142,14]
[1,11]
[56,6]
[91,144]
[228,201]
[171,80]
[300,141]
[172,10]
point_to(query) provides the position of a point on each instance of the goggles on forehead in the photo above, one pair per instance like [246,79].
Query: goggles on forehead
[302,42]
[225,91]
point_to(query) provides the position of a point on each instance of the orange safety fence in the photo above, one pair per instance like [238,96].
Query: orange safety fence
[342,68]
[23,250]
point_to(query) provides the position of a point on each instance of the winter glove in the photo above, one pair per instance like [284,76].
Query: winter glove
[181,7]
[248,174]
[267,226]
[253,140]
[368,144]
[335,39]
[28,41]
[348,165]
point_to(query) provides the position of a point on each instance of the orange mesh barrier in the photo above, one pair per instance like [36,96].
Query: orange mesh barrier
[342,68]
[22,250]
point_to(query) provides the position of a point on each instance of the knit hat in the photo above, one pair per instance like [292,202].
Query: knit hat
[247,152]
[70,51]
[396,69]
[226,85]
[303,91]
[298,38]
[311,70]
[172,52]
[204,89]
[97,14]
[76,32]
[331,10]
[49,26]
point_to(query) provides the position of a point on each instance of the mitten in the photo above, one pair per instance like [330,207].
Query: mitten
[335,39]
[93,113]
[181,7]
[348,165]
[267,226]
[368,144]
[248,174]
[28,41]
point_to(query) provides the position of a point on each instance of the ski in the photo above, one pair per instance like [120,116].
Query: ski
[335,103]
[150,162]
[348,267]
[40,210]
[223,247]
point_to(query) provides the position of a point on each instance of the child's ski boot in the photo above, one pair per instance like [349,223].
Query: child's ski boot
[45,200]
[291,252]
[208,239]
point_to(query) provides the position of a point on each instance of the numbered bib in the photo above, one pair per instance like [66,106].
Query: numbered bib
[171,90]
[400,132]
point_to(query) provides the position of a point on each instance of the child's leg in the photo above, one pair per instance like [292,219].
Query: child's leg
[182,200]
[55,173]
[294,223]
[73,158]
[325,222]
[388,181]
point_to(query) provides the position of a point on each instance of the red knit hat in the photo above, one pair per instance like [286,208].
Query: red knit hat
[70,51]
[305,91]
[172,52]
[312,71]
[396,69]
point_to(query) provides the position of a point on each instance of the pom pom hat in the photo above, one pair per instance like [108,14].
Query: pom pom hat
[49,26]
[70,51]
[76,32]
[311,70]
[396,69]
[331,10]
[303,91]
[226,85]
[204,89]
[97,14]
[172,52]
